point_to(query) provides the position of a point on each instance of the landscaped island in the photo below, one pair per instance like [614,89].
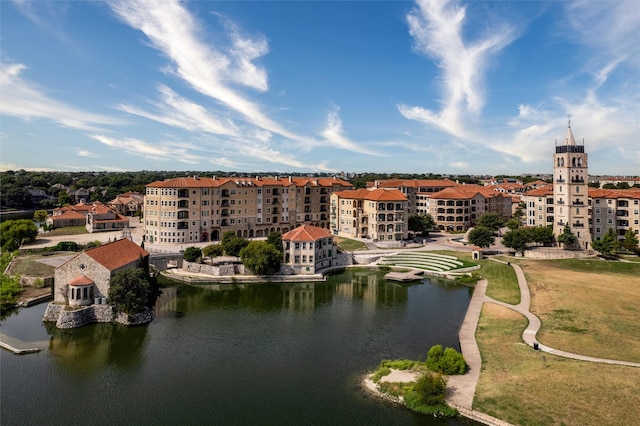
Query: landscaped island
[420,386]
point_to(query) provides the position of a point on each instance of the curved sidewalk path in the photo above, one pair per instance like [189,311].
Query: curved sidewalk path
[462,388]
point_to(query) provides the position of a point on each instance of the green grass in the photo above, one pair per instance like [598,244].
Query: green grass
[346,244]
[31,267]
[67,230]
[502,281]
[598,265]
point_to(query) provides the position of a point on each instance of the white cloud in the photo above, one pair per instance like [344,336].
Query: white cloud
[177,111]
[173,31]
[23,99]
[334,135]
[459,165]
[158,151]
[437,30]
[86,153]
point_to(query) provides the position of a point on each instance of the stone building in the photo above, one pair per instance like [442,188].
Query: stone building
[308,249]
[86,276]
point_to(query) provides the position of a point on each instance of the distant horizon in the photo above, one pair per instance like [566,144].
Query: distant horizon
[450,86]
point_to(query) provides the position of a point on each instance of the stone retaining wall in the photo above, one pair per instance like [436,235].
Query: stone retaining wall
[90,314]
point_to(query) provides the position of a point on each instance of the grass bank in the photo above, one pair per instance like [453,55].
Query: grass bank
[591,307]
[519,386]
[347,244]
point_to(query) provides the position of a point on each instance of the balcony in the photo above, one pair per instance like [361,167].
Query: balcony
[622,213]
[183,193]
[560,202]
[224,193]
[323,200]
[578,225]
[622,223]
[307,217]
[307,200]
[577,180]
[578,203]
[183,215]
[561,223]
[224,222]
[183,204]
[225,203]
[224,213]
[275,191]
[323,217]
[560,181]
[623,203]
[183,225]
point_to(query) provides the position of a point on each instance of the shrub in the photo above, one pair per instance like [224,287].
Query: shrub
[447,361]
[398,364]
[38,283]
[192,254]
[430,389]
[93,244]
[213,250]
[9,289]
[67,246]
[380,373]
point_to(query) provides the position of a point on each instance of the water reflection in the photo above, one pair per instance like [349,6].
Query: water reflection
[369,286]
[88,350]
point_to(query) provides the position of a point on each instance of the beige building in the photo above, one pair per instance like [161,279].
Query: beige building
[378,214]
[618,209]
[308,249]
[193,209]
[539,206]
[457,208]
[414,189]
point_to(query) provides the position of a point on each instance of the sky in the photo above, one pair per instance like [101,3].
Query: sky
[431,86]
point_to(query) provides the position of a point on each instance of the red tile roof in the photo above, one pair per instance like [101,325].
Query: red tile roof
[214,182]
[373,195]
[68,216]
[541,191]
[81,280]
[306,233]
[116,254]
[614,193]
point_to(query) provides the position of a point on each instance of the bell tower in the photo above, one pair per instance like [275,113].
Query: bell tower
[571,190]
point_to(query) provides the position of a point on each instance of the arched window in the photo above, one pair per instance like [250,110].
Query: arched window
[573,161]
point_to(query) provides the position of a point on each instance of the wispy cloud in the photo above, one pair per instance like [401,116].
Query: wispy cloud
[48,15]
[334,135]
[177,111]
[25,100]
[437,30]
[86,153]
[153,151]
[210,70]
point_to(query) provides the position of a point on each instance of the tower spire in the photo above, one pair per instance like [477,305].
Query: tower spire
[569,139]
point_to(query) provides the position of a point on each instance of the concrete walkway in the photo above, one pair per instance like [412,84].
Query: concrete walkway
[463,387]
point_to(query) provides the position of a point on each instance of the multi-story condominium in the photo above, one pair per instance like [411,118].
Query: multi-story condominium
[413,189]
[618,209]
[192,209]
[458,208]
[570,189]
[308,249]
[539,206]
[377,214]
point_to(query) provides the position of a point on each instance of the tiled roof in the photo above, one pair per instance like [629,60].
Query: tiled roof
[68,216]
[542,191]
[306,233]
[213,182]
[81,280]
[373,195]
[412,183]
[116,254]
[614,193]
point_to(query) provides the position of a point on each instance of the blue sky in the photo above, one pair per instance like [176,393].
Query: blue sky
[300,86]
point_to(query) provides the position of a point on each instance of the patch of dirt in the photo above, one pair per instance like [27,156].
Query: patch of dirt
[28,293]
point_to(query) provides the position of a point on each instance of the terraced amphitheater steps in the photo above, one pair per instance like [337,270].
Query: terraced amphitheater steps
[426,261]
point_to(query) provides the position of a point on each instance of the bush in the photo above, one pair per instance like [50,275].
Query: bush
[38,283]
[430,389]
[67,246]
[93,244]
[192,254]
[398,364]
[130,290]
[9,289]
[447,361]
[380,373]
[213,250]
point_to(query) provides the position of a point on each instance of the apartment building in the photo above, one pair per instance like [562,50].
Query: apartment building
[308,249]
[458,208]
[618,209]
[378,214]
[193,209]
[539,205]
[413,189]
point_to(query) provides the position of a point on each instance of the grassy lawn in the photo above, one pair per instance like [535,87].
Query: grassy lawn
[591,307]
[346,244]
[29,266]
[516,386]
[503,284]
[67,230]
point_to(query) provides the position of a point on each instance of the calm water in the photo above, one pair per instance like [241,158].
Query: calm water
[267,354]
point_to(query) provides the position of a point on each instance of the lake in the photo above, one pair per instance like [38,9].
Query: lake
[259,354]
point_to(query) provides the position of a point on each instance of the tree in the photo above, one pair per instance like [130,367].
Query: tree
[9,289]
[232,243]
[275,239]
[192,254]
[517,239]
[40,215]
[567,237]
[447,361]
[261,257]
[430,389]
[630,241]
[481,237]
[422,223]
[542,234]
[130,291]
[513,223]
[14,233]
[492,221]
[608,244]
[213,250]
